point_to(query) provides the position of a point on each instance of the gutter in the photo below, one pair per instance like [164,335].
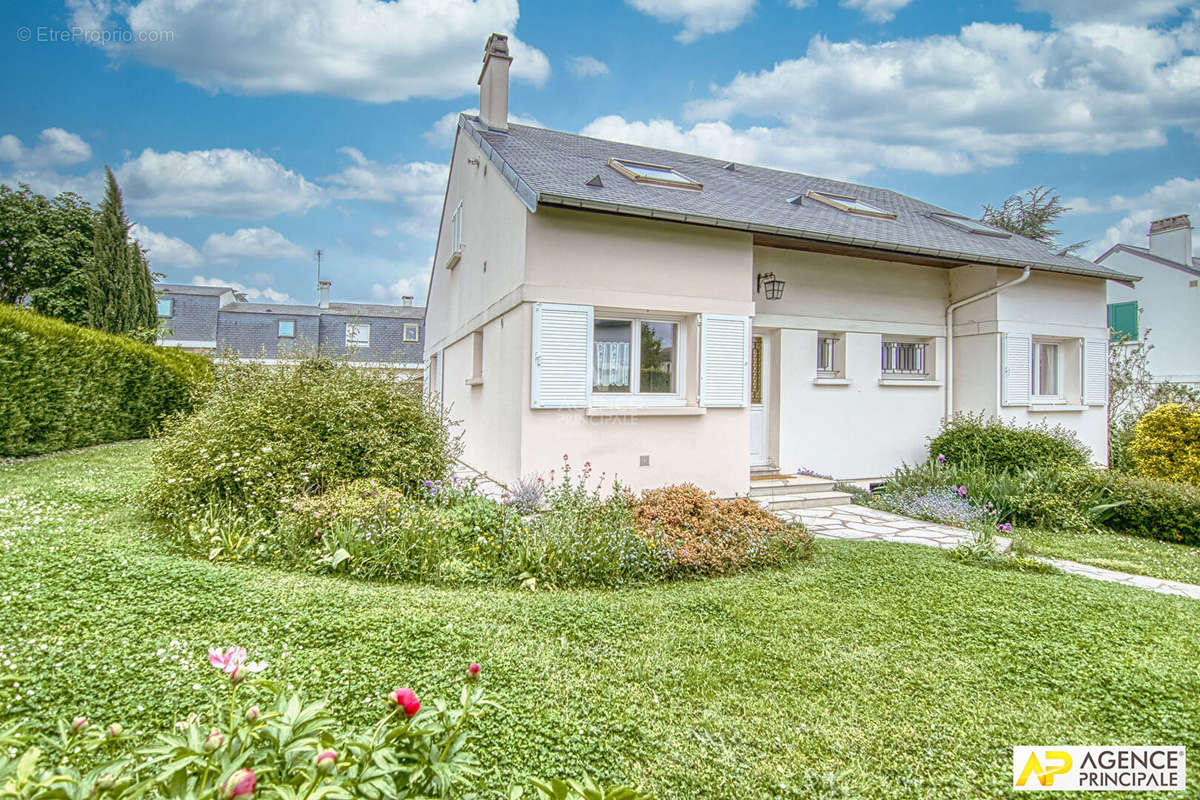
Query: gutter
[950,309]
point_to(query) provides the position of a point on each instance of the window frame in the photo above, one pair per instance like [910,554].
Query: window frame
[836,367]
[416,328]
[840,202]
[968,225]
[634,399]
[622,165]
[279,329]
[1036,395]
[927,358]
[170,301]
[358,327]
[456,244]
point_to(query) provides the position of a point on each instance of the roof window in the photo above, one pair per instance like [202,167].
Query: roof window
[970,225]
[850,205]
[653,174]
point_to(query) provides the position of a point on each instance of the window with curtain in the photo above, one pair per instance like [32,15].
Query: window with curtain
[645,363]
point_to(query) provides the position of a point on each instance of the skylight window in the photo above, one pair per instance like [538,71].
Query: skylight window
[850,205]
[970,225]
[653,174]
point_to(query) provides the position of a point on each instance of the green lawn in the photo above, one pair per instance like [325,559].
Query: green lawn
[872,671]
[1177,562]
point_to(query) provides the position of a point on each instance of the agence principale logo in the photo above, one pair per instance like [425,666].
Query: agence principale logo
[1136,768]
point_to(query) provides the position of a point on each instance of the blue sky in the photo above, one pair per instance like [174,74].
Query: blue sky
[246,135]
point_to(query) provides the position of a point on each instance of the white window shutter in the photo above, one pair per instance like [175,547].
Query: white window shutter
[724,360]
[1017,369]
[562,356]
[1095,372]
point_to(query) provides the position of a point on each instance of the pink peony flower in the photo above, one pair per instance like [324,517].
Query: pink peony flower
[326,761]
[407,699]
[239,784]
[229,660]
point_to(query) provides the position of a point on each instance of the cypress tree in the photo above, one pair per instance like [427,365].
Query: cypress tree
[122,299]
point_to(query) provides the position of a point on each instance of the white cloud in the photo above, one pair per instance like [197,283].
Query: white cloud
[263,244]
[441,133]
[224,182]
[255,294]
[1126,11]
[949,103]
[55,148]
[166,251]
[876,10]
[698,17]
[587,67]
[414,287]
[416,182]
[1176,196]
[363,49]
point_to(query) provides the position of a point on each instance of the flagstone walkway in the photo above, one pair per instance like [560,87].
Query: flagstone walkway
[869,524]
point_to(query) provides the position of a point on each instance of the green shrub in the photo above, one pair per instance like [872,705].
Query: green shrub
[1166,444]
[65,386]
[1000,445]
[268,433]
[1148,507]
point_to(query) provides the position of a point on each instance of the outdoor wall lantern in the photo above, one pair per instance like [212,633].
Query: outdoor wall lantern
[769,285]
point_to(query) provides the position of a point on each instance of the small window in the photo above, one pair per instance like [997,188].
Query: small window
[830,355]
[456,230]
[286,328]
[358,334]
[1047,371]
[905,359]
[166,306]
[653,174]
[970,225]
[476,378]
[412,332]
[1123,321]
[625,363]
[850,205]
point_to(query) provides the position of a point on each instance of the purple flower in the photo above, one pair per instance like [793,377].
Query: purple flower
[962,492]
[941,459]
[1004,527]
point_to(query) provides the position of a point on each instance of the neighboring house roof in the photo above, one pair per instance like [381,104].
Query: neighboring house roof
[272,308]
[374,310]
[552,168]
[1144,252]
[182,288]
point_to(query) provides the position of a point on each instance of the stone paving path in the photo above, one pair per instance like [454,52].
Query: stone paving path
[869,524]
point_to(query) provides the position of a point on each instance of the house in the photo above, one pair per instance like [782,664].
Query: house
[1166,300]
[668,317]
[211,319]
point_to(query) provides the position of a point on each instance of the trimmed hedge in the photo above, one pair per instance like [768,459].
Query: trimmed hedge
[999,445]
[64,386]
[1166,444]
[1148,507]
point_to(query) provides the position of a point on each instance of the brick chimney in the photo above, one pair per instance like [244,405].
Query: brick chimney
[323,294]
[1171,238]
[493,83]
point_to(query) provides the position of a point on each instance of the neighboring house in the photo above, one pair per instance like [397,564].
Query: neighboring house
[668,317]
[1166,300]
[213,319]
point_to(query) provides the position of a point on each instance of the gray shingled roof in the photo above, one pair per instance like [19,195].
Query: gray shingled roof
[1144,252]
[334,310]
[553,168]
[187,288]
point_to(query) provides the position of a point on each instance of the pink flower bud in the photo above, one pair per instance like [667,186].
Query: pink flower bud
[114,730]
[407,699]
[252,714]
[326,761]
[238,675]
[239,784]
[472,672]
[79,725]
[214,740]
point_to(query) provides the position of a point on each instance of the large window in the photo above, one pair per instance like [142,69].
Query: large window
[1047,371]
[904,359]
[166,306]
[634,356]
[358,334]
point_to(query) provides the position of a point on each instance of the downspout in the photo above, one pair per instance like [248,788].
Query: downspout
[950,309]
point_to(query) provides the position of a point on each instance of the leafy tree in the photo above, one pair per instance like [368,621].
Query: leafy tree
[1031,214]
[122,299]
[46,253]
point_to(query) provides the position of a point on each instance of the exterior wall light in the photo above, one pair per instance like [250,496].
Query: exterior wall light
[769,285]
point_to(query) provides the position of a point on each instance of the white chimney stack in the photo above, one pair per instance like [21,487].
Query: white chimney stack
[406,300]
[1171,238]
[323,294]
[493,83]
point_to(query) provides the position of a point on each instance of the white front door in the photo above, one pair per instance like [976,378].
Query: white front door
[760,428]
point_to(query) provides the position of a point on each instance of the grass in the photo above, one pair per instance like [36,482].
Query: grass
[1136,554]
[871,671]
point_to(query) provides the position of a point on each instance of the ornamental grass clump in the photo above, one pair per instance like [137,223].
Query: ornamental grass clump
[706,535]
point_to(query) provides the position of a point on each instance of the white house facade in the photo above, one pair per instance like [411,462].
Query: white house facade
[673,318]
[1166,301]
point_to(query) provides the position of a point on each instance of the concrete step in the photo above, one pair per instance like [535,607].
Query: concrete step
[788,484]
[785,502]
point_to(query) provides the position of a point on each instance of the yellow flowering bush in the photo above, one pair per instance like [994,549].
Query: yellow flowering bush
[1166,444]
